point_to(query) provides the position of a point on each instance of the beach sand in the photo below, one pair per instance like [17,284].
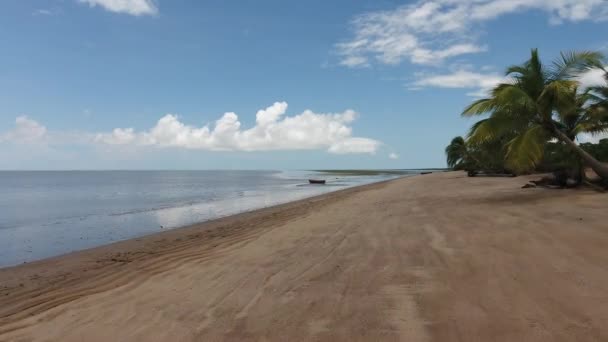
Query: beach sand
[439,257]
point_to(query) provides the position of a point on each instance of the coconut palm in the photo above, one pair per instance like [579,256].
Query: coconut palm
[487,156]
[528,107]
[576,116]
[599,99]
[456,153]
[579,115]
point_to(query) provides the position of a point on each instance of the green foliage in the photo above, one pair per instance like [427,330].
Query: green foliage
[490,156]
[487,156]
[525,151]
[599,151]
[533,106]
[456,153]
[557,156]
[572,63]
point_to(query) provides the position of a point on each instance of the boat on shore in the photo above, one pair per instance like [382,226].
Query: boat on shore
[316,181]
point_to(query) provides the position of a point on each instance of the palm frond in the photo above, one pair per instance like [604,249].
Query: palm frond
[479,107]
[491,129]
[513,97]
[559,95]
[593,120]
[534,64]
[601,93]
[591,128]
[525,151]
[516,70]
[571,63]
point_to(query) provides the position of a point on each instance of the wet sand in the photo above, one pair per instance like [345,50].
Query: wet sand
[439,257]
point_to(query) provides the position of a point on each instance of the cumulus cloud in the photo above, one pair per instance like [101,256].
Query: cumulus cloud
[429,31]
[272,131]
[119,136]
[479,83]
[132,7]
[393,156]
[26,131]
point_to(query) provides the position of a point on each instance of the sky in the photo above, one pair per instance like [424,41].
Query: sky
[262,84]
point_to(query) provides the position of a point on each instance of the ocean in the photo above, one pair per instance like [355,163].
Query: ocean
[48,213]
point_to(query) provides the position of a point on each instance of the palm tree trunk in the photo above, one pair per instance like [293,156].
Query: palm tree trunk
[597,166]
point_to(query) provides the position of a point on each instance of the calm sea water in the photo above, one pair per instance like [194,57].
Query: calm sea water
[44,214]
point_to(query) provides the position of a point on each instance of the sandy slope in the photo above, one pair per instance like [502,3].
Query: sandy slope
[440,257]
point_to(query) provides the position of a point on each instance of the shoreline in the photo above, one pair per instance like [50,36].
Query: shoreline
[142,227]
[438,257]
[140,245]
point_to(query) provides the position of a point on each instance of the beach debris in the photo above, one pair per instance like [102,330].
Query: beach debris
[528,186]
[558,180]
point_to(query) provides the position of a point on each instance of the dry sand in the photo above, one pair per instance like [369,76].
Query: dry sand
[439,257]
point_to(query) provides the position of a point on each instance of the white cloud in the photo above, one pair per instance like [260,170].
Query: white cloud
[354,145]
[429,31]
[45,12]
[591,138]
[119,136]
[272,131]
[26,131]
[132,7]
[354,61]
[393,156]
[480,83]
[558,10]
[593,77]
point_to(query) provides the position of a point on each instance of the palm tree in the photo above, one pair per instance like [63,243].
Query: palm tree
[487,156]
[527,108]
[577,116]
[456,153]
[599,99]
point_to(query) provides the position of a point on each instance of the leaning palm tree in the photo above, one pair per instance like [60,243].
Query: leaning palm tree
[526,107]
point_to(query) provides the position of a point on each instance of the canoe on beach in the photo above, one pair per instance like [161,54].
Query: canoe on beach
[316,181]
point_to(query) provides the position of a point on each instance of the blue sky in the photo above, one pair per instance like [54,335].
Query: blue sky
[211,84]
